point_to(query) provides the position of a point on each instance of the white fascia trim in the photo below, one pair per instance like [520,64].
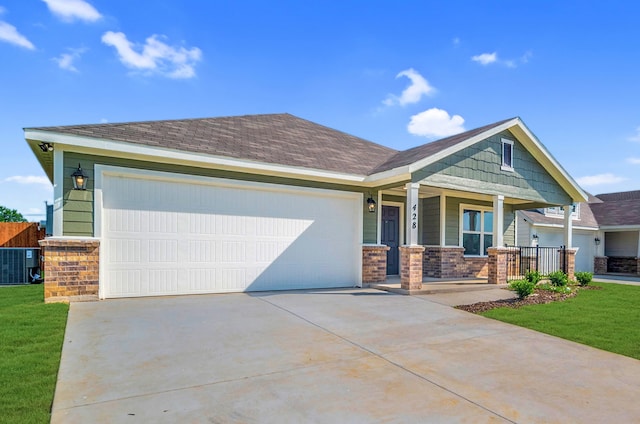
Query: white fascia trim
[90,144]
[620,227]
[575,227]
[409,169]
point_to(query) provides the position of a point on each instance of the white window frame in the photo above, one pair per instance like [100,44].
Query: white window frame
[558,211]
[504,166]
[482,232]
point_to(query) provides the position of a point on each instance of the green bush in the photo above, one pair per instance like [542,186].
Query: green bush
[558,278]
[522,287]
[533,276]
[584,278]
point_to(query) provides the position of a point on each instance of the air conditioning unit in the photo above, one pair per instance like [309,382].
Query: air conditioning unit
[18,264]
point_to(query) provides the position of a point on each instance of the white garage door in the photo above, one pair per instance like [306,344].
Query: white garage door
[168,237]
[582,241]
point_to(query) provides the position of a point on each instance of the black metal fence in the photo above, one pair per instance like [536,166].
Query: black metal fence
[545,260]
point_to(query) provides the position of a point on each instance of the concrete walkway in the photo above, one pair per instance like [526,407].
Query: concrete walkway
[348,356]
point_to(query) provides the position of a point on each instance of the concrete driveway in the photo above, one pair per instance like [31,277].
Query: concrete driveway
[327,356]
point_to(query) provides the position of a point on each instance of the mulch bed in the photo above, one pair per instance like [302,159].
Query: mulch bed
[538,297]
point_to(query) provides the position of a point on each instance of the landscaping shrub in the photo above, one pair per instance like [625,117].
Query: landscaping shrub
[533,276]
[558,278]
[584,277]
[522,287]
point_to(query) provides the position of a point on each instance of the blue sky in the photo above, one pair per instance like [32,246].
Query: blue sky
[397,73]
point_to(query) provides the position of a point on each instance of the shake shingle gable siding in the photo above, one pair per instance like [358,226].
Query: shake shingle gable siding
[275,138]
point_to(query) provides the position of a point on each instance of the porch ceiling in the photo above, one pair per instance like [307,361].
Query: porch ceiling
[426,191]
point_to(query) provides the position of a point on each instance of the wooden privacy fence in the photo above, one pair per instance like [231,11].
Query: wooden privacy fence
[545,260]
[20,234]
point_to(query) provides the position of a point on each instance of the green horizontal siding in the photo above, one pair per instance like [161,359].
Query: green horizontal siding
[430,225]
[78,205]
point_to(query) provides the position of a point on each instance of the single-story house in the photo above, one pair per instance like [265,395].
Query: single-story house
[274,202]
[606,231]
[618,216]
[545,227]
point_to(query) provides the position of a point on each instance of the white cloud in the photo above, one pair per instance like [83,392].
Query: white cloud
[70,10]
[485,58]
[10,34]
[29,179]
[413,93]
[599,179]
[634,161]
[636,137]
[488,58]
[154,56]
[435,123]
[65,60]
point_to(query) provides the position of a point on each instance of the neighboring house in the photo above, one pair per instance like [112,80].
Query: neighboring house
[272,202]
[545,227]
[618,216]
[606,231]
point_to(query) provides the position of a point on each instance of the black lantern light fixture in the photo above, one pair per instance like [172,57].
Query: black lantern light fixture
[46,147]
[535,237]
[371,203]
[79,179]
[597,241]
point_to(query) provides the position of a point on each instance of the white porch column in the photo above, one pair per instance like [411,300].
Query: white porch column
[568,227]
[411,222]
[379,219]
[443,220]
[498,221]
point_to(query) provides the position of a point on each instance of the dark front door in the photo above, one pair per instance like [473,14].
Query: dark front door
[390,236]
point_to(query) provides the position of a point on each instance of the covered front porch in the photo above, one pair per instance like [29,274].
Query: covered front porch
[433,239]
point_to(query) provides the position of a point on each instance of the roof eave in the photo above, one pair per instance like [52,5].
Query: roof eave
[102,147]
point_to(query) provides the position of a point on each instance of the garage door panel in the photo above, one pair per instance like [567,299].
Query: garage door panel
[205,238]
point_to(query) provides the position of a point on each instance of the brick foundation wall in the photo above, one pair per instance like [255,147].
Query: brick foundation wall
[600,264]
[497,266]
[624,265]
[450,262]
[411,259]
[71,269]
[374,263]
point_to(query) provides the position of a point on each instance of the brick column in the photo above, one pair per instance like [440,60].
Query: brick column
[638,266]
[600,264]
[571,263]
[411,267]
[497,271]
[374,263]
[71,269]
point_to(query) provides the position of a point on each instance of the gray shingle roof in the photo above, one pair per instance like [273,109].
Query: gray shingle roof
[587,219]
[415,154]
[272,138]
[622,208]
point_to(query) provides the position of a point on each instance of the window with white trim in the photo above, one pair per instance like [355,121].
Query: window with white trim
[558,211]
[476,235]
[507,155]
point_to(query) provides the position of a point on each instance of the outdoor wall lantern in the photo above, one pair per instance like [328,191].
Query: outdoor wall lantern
[371,203]
[46,147]
[597,240]
[79,179]
[535,237]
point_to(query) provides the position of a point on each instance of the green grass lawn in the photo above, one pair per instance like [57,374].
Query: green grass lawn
[31,335]
[608,319]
